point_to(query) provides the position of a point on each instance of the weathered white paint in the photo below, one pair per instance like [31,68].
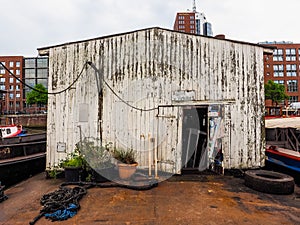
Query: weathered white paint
[145,68]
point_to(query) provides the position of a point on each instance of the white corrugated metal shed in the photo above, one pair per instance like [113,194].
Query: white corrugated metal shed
[168,72]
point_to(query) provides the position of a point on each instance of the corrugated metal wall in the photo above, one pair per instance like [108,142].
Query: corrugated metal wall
[145,68]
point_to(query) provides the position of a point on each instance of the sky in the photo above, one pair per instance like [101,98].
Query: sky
[30,24]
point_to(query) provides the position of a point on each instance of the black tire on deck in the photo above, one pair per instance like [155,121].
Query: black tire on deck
[269,182]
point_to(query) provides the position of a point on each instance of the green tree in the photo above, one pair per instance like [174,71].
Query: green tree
[37,96]
[275,92]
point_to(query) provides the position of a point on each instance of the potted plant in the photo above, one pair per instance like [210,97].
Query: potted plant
[74,165]
[126,162]
[98,159]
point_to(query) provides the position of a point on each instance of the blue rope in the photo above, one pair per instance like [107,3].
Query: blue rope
[63,214]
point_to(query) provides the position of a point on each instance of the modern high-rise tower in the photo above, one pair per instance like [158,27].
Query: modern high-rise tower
[193,22]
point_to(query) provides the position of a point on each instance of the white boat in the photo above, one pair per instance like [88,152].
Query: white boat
[8,131]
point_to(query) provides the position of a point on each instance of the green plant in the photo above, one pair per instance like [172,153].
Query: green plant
[124,156]
[96,155]
[74,159]
[38,95]
[54,173]
[275,92]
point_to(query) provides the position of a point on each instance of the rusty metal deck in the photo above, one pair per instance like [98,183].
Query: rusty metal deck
[179,200]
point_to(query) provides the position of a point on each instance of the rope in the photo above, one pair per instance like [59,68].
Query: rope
[63,203]
[45,92]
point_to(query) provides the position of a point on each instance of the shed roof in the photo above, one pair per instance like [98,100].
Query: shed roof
[45,50]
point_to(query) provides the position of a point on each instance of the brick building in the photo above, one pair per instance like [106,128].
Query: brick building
[32,71]
[283,67]
[192,22]
[12,98]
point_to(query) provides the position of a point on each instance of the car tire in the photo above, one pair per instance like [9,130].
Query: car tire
[269,182]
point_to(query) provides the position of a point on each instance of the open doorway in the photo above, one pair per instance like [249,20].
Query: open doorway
[194,137]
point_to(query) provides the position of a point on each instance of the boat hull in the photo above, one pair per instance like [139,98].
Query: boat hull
[285,158]
[22,157]
[19,169]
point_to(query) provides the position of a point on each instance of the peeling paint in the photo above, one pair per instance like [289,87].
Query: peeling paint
[144,68]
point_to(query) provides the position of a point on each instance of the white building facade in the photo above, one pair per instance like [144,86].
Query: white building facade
[178,100]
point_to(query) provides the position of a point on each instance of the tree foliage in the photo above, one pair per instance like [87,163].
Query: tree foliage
[275,92]
[38,96]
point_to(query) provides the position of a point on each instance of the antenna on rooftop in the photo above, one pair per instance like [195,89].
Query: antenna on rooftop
[194,5]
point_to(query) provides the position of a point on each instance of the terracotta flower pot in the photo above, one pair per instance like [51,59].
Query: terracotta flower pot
[126,170]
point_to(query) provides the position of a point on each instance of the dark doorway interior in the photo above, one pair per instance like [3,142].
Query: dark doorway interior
[194,136]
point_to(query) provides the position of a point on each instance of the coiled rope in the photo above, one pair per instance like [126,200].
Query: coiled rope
[64,202]
[61,204]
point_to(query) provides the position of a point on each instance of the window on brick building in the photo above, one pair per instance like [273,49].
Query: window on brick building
[293,99]
[291,70]
[292,85]
[2,70]
[278,70]
[279,82]
[278,54]
[290,54]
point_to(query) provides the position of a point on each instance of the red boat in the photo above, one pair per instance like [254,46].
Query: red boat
[283,142]
[11,131]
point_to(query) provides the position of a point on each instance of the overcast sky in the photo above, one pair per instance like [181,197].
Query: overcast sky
[29,24]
